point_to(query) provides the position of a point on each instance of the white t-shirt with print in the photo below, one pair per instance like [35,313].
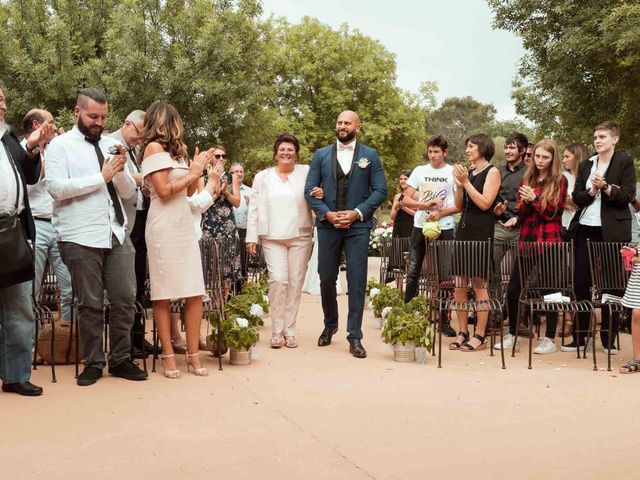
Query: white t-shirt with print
[432,183]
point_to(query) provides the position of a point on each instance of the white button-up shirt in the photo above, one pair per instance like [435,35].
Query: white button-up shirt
[82,209]
[8,184]
[40,201]
[345,156]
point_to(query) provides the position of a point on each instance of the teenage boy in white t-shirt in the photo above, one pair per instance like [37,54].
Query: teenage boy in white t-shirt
[436,202]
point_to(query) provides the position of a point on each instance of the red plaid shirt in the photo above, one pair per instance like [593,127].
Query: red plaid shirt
[541,225]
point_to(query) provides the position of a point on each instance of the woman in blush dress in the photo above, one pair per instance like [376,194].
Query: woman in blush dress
[175,268]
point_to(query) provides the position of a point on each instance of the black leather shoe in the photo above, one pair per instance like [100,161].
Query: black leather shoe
[27,389]
[356,349]
[128,370]
[89,376]
[147,346]
[325,336]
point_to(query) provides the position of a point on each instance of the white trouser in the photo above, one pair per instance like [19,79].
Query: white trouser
[287,264]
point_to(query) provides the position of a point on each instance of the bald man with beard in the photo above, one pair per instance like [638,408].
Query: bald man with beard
[354,186]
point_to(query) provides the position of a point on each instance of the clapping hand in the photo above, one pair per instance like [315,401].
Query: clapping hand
[460,175]
[215,171]
[41,136]
[527,194]
[196,167]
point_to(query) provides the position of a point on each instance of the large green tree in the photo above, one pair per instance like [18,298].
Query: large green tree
[581,67]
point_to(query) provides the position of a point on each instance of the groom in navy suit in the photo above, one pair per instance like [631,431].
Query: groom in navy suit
[354,185]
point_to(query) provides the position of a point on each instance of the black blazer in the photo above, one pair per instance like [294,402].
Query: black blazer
[614,208]
[29,171]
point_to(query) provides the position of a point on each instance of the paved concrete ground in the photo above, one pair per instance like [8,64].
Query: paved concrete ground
[322,414]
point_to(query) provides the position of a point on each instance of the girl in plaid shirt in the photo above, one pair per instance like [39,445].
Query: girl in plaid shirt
[539,207]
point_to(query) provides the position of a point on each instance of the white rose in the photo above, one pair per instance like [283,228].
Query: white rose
[242,322]
[256,310]
[385,312]
[373,293]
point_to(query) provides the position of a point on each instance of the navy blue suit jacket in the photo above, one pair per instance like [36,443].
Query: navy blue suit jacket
[367,187]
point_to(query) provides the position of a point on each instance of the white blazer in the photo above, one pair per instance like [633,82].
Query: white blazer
[258,218]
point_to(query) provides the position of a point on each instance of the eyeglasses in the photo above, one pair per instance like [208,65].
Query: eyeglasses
[219,156]
[134,127]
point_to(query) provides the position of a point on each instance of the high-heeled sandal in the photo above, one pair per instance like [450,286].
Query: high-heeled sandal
[290,341]
[200,371]
[170,373]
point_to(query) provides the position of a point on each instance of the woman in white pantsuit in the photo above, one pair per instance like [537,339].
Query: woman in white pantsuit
[280,219]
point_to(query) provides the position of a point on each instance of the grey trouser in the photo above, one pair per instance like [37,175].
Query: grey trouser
[94,270]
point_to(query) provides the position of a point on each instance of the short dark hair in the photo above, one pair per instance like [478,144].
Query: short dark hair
[286,138]
[613,127]
[485,144]
[438,141]
[92,93]
[530,145]
[520,139]
[31,116]
[406,172]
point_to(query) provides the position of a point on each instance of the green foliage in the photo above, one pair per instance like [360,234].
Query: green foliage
[409,323]
[237,336]
[581,67]
[372,283]
[388,297]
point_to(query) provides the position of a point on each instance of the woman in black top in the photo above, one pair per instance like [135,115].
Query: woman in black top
[476,192]
[402,216]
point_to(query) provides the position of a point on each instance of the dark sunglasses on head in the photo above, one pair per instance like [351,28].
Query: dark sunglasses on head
[218,156]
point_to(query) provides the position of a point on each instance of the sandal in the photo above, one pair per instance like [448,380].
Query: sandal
[461,339]
[632,366]
[290,341]
[467,347]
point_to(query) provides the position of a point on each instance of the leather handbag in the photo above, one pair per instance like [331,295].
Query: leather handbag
[16,255]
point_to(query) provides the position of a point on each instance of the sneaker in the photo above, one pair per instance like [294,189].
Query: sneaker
[614,351]
[570,347]
[507,343]
[128,370]
[89,376]
[545,345]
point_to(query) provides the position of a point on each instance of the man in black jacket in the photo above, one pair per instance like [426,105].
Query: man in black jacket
[17,168]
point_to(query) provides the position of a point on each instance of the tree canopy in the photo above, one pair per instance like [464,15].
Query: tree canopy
[581,67]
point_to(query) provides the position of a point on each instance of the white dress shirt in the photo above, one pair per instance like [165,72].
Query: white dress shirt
[40,201]
[82,209]
[8,182]
[345,155]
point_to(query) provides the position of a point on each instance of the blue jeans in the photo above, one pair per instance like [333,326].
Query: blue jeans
[16,333]
[47,247]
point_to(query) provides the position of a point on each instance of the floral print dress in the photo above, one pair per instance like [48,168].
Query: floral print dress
[220,224]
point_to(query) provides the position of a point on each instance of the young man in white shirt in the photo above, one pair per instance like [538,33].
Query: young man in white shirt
[86,180]
[436,202]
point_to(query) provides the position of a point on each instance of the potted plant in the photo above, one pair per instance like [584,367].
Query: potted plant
[424,342]
[240,336]
[386,297]
[405,328]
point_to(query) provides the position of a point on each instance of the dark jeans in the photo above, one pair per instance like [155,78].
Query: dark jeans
[583,284]
[355,243]
[513,295]
[418,249]
[94,270]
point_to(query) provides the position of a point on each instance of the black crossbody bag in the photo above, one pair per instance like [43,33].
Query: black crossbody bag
[16,255]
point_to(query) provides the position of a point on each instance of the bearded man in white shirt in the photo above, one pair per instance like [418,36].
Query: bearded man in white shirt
[87,179]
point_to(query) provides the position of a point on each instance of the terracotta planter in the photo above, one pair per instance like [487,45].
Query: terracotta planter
[240,357]
[404,353]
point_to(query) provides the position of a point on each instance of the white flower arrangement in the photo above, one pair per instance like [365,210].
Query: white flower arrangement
[242,322]
[385,312]
[373,292]
[378,235]
[256,310]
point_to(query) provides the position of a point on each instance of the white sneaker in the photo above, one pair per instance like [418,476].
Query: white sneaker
[545,345]
[507,343]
